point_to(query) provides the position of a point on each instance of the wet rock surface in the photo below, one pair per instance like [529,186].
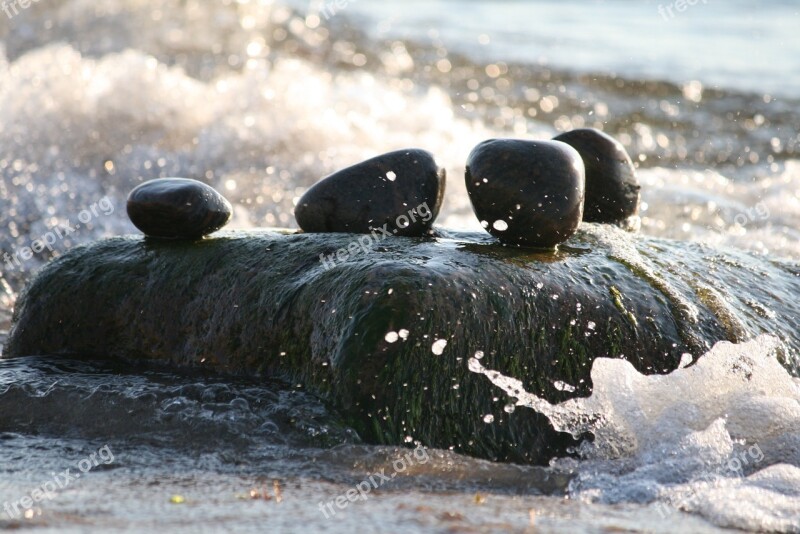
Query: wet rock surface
[385,338]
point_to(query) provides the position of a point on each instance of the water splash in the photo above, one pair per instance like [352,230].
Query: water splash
[697,439]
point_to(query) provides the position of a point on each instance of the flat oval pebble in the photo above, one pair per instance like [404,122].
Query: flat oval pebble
[612,187]
[526,193]
[177,208]
[399,192]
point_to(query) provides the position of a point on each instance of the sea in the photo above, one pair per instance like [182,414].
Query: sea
[261,99]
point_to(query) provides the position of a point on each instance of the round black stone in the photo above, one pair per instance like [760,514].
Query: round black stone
[400,192]
[526,193]
[177,208]
[612,187]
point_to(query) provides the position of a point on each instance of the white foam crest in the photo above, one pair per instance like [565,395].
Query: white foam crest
[744,385]
[291,112]
[716,432]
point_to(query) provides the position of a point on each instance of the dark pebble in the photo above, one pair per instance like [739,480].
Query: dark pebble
[612,188]
[400,192]
[177,208]
[527,193]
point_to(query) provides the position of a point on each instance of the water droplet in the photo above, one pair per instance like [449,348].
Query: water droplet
[500,226]
[479,355]
[391,337]
[391,176]
[438,346]
[403,333]
[592,325]
[563,386]
[488,418]
[509,408]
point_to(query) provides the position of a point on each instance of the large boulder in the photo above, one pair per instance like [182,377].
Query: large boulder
[386,336]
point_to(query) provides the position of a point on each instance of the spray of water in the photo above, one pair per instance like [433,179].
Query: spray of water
[721,430]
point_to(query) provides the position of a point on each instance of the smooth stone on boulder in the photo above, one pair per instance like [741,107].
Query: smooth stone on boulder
[526,193]
[612,187]
[387,336]
[177,208]
[400,192]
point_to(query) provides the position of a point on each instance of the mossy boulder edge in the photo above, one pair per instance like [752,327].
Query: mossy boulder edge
[262,303]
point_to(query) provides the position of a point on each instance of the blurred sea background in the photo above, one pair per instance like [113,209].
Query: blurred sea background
[261,99]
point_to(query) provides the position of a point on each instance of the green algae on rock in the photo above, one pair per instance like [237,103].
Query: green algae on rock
[386,337]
